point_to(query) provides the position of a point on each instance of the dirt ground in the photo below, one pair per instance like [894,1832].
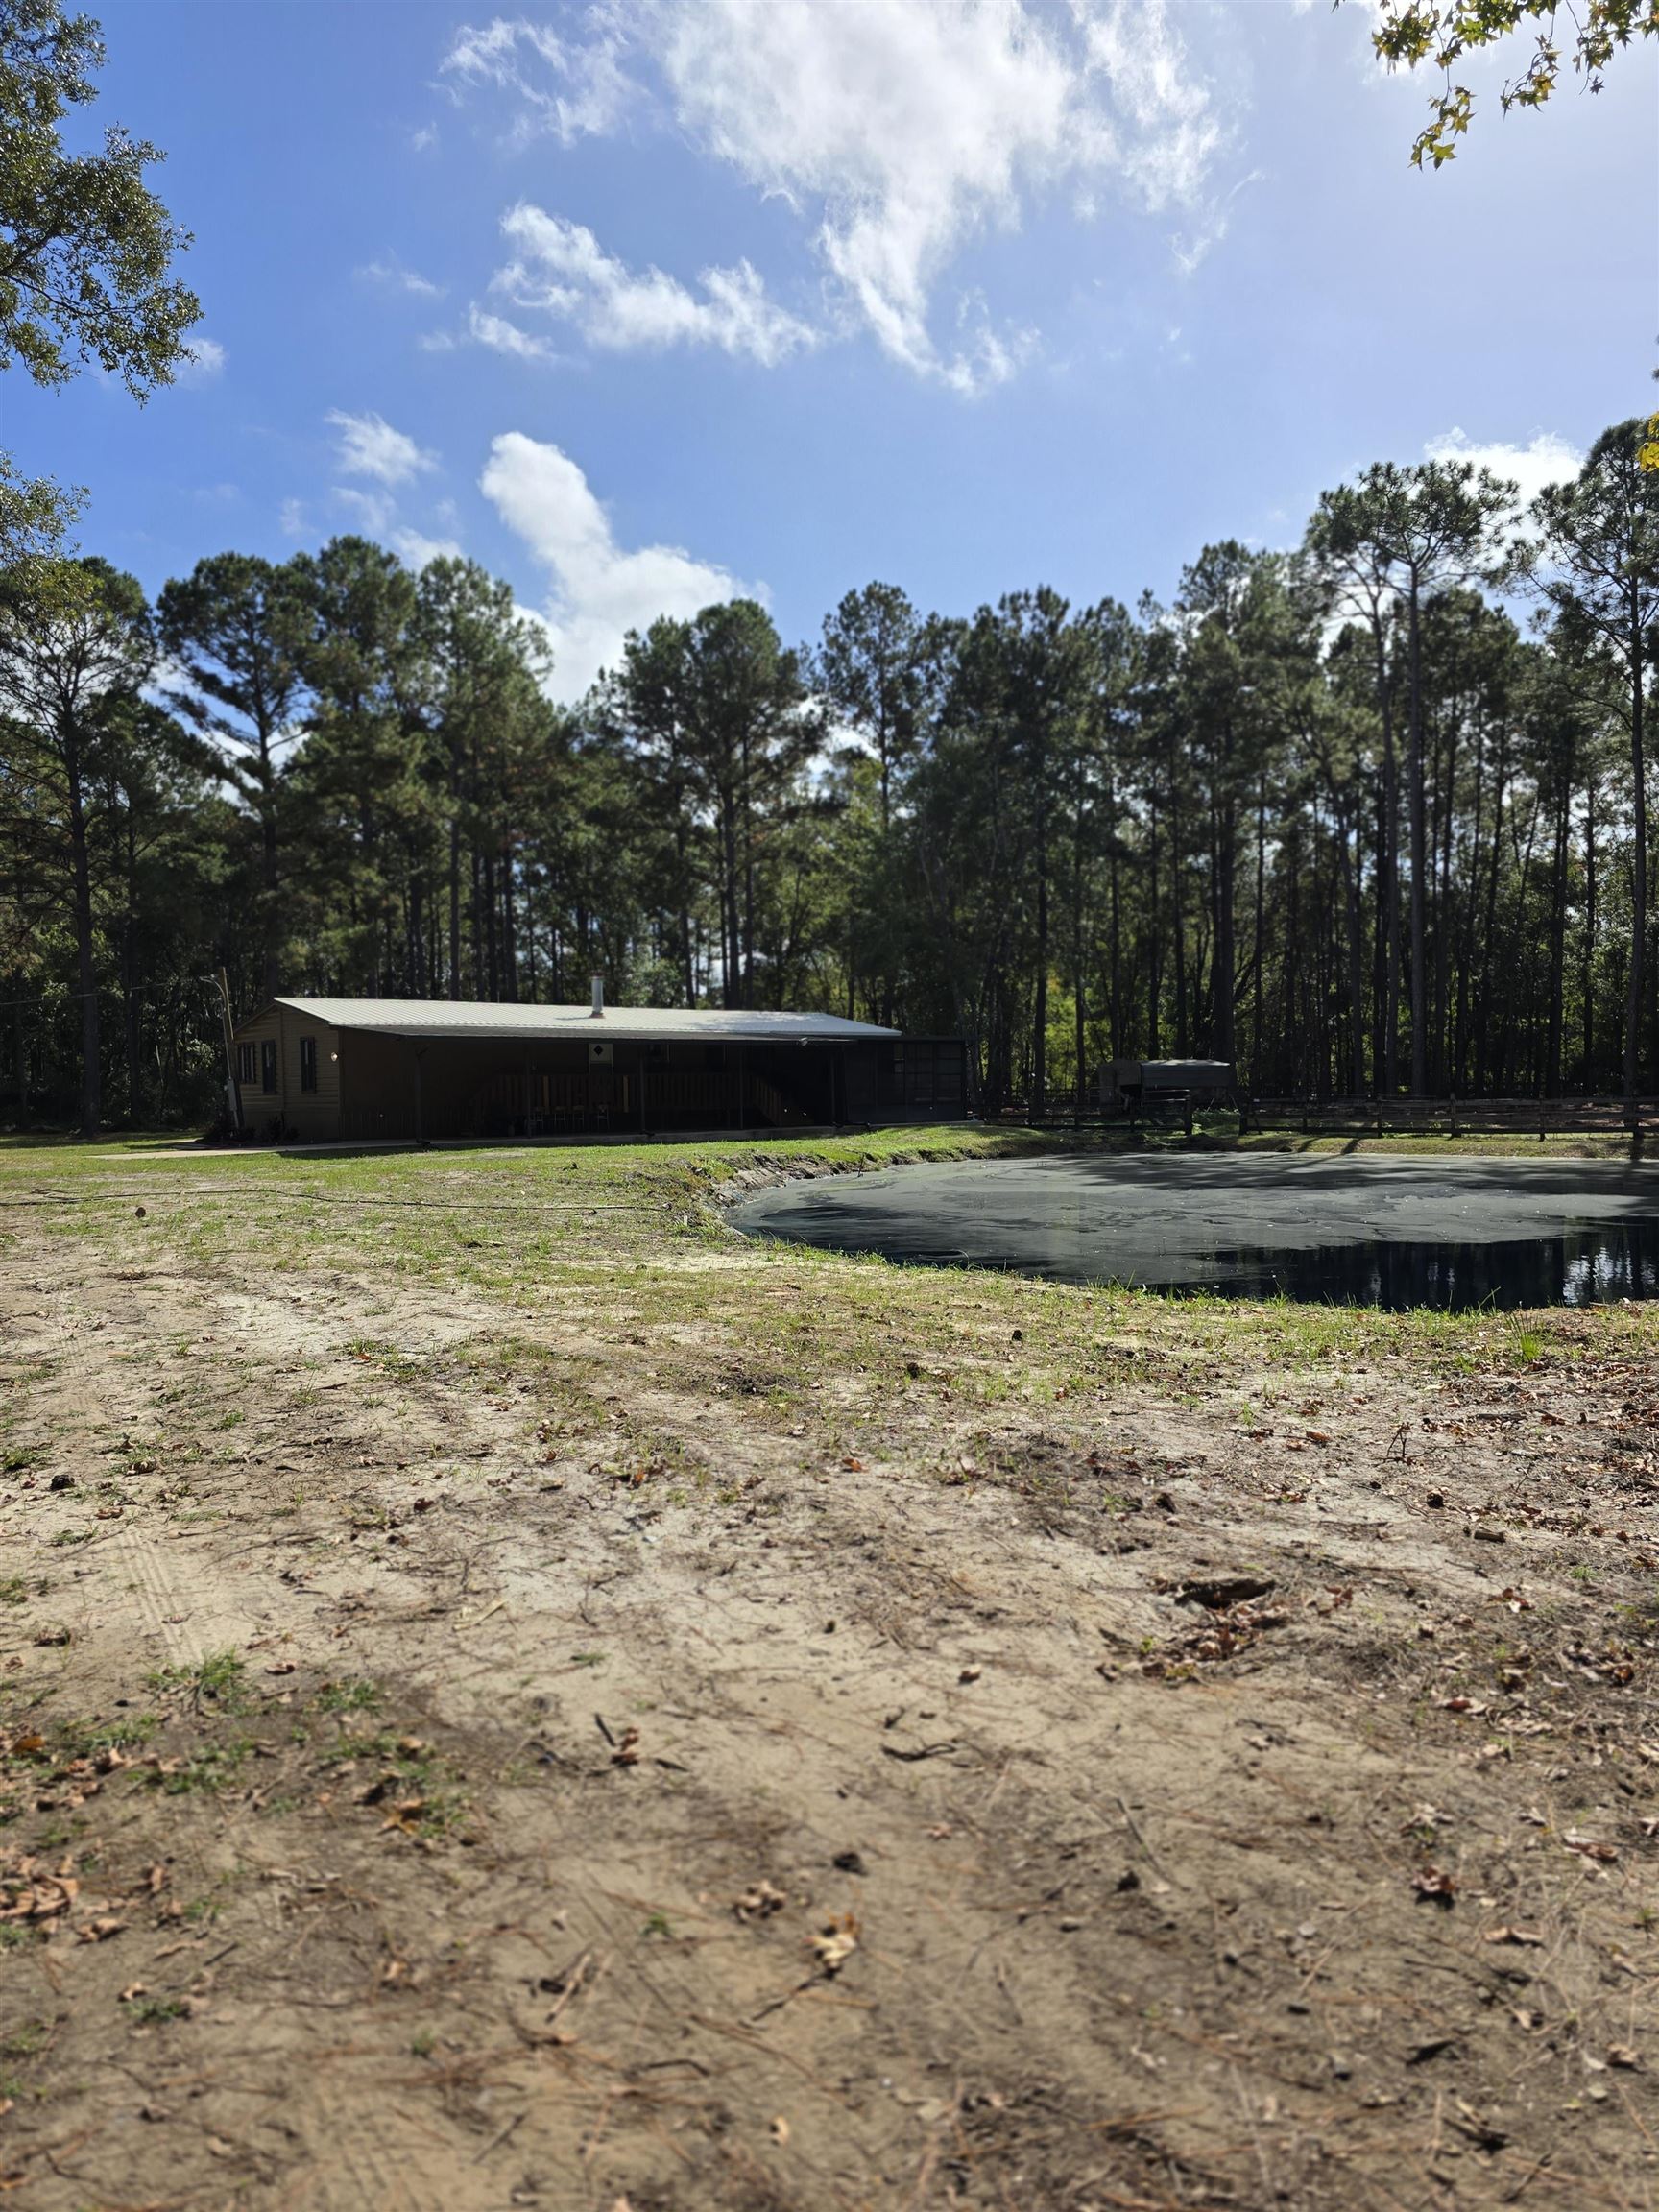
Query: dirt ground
[727,1728]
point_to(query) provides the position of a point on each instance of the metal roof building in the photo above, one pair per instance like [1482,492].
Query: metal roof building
[353,1070]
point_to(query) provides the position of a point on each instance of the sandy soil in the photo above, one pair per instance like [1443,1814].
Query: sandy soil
[1235,1795]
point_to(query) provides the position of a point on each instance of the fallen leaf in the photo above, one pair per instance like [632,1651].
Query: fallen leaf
[1588,1847]
[1435,2047]
[760,1901]
[1435,1886]
[835,1944]
[1528,1937]
[1220,1593]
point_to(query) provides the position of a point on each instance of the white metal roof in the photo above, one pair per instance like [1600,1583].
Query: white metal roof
[470,1017]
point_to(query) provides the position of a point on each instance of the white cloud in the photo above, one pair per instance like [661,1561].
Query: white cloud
[395,277]
[413,549]
[561,269]
[370,447]
[598,592]
[1191,249]
[204,360]
[502,336]
[899,132]
[373,511]
[292,521]
[1549,459]
[590,91]
[370,512]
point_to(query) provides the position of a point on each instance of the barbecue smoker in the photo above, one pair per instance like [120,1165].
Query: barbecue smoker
[1163,1090]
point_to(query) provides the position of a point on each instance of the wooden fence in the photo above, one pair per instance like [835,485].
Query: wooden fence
[1536,1117]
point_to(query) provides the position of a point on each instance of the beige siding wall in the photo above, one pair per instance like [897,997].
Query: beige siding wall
[313,1115]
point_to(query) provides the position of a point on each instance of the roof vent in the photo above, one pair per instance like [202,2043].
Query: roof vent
[598,998]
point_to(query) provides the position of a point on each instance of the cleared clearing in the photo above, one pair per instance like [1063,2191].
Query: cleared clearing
[514,1696]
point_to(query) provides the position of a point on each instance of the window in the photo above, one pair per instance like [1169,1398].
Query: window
[307,1063]
[268,1066]
[247,1063]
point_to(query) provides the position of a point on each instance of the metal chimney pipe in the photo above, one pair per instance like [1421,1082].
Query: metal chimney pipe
[598,1013]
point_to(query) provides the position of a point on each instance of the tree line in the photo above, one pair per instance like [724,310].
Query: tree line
[1366,816]
[1369,816]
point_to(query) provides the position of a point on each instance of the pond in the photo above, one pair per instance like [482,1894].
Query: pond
[1349,1230]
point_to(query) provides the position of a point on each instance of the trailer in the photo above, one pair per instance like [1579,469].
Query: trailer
[1163,1090]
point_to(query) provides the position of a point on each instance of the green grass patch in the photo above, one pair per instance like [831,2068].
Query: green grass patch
[632,1236]
[348,1697]
[217,1680]
[203,1773]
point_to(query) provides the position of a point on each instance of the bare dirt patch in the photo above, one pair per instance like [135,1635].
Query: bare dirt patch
[758,1734]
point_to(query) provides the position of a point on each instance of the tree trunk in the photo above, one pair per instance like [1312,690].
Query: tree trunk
[1179,920]
[455,906]
[1419,862]
[1040,1024]
[1639,856]
[1355,956]
[1558,944]
[131,1038]
[1588,1079]
[1155,979]
[91,1047]
[268,872]
[1386,1051]
[1224,979]
[509,926]
[1261,947]
[1116,939]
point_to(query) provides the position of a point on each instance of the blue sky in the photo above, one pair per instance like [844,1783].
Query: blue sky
[646,302]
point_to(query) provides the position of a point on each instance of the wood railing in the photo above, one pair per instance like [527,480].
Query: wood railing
[557,1102]
[1357,1117]
[1538,1118]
